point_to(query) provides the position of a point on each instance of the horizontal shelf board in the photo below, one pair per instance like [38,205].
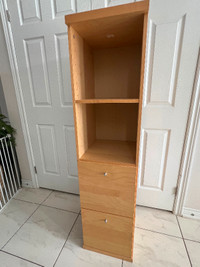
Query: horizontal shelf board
[111,100]
[111,151]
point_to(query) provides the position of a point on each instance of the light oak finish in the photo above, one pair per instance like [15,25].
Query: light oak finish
[128,9]
[117,26]
[117,72]
[116,122]
[86,130]
[108,101]
[107,232]
[107,188]
[107,56]
[105,122]
[108,253]
[110,151]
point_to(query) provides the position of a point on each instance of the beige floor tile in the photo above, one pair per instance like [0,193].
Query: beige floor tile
[157,250]
[7,260]
[34,195]
[194,252]
[190,228]
[157,220]
[12,218]
[74,255]
[63,201]
[42,236]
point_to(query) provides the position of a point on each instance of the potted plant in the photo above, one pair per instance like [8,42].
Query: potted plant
[6,129]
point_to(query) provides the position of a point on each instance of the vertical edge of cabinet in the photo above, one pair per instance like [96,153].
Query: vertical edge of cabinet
[72,84]
[144,39]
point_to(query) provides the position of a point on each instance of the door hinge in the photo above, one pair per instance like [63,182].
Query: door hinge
[175,190]
[35,169]
[8,15]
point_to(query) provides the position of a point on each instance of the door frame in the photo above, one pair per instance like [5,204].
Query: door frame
[190,135]
[188,147]
[18,92]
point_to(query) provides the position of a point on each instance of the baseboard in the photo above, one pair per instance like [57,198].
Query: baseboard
[191,213]
[27,183]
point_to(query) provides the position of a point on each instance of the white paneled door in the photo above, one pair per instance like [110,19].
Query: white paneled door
[172,50]
[41,48]
[40,41]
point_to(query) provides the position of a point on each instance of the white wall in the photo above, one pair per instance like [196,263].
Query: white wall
[193,192]
[11,102]
[3,108]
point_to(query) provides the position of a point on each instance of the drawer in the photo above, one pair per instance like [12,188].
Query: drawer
[108,233]
[107,187]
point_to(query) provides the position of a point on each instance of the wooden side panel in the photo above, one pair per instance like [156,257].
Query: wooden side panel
[82,67]
[106,232]
[86,130]
[107,188]
[82,76]
[140,107]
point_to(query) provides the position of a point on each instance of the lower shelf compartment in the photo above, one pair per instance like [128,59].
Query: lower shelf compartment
[111,151]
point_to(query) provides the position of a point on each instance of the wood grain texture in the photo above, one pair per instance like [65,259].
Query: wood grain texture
[108,101]
[109,151]
[117,72]
[107,68]
[108,253]
[116,122]
[115,236]
[83,68]
[86,130]
[107,188]
[140,109]
[133,8]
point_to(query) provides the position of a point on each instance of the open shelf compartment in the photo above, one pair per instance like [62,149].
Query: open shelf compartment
[107,132]
[107,58]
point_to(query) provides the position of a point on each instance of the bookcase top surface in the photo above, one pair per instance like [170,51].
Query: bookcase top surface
[110,27]
[103,13]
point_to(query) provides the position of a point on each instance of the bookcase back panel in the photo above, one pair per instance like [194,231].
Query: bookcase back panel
[117,72]
[116,122]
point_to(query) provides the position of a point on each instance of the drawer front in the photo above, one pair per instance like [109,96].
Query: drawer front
[109,233]
[107,188]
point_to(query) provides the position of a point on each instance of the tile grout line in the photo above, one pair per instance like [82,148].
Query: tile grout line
[47,206]
[195,241]
[6,252]
[25,221]
[21,227]
[158,232]
[184,241]
[66,240]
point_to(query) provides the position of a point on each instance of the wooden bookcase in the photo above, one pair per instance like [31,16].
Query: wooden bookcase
[107,51]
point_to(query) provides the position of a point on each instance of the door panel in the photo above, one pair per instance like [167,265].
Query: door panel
[170,67]
[41,46]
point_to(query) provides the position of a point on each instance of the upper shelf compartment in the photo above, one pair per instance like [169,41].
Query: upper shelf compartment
[106,53]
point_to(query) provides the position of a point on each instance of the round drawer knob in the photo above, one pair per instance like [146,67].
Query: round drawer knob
[105,220]
[105,173]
